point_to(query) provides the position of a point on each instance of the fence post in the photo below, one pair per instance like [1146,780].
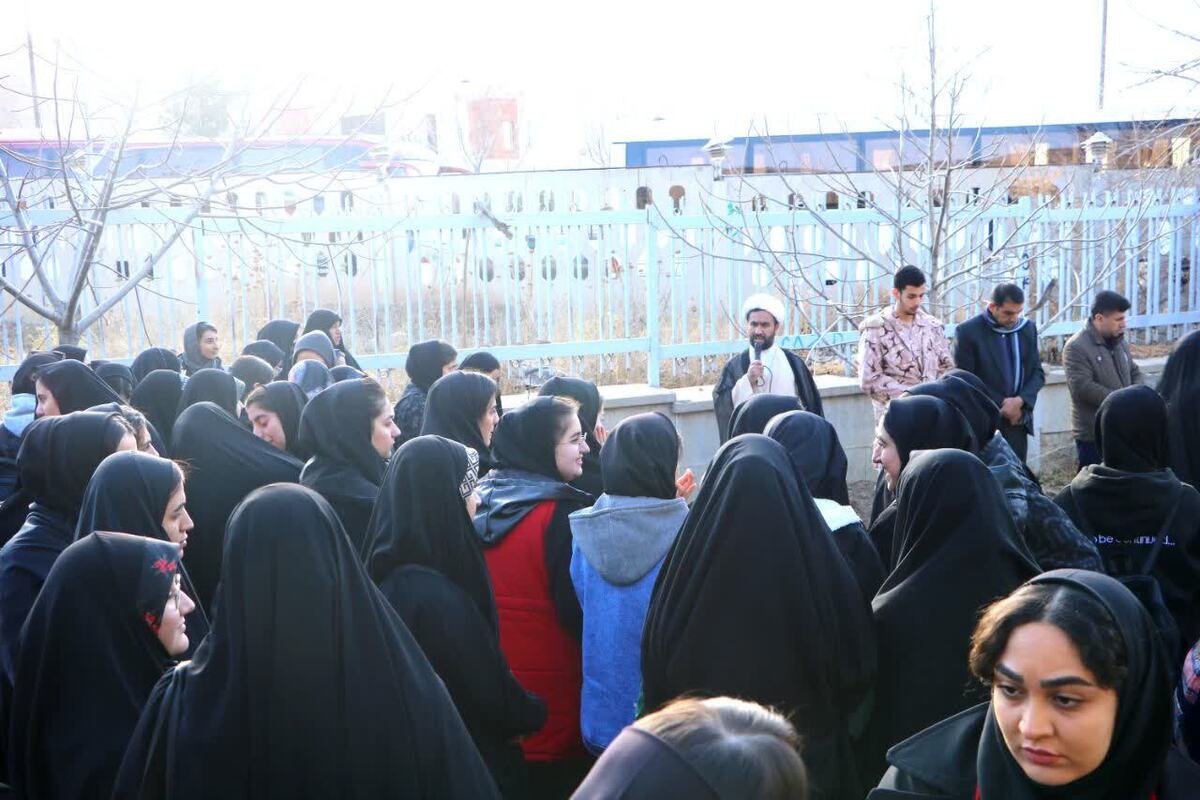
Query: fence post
[200,272]
[652,326]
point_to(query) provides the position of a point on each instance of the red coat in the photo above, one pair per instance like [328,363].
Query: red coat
[545,659]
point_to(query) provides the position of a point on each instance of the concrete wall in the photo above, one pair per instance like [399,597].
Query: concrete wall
[846,407]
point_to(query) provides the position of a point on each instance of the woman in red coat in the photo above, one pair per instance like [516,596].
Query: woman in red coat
[522,522]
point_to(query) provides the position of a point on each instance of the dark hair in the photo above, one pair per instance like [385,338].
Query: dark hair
[564,409]
[126,429]
[135,419]
[908,275]
[1083,618]
[1107,302]
[203,328]
[251,370]
[259,397]
[1007,293]
[741,749]
[376,395]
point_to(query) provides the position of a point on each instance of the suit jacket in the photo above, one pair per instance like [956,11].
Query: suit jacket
[977,349]
[1093,373]
[738,366]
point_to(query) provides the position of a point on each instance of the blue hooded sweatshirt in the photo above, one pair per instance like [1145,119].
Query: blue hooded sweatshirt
[618,548]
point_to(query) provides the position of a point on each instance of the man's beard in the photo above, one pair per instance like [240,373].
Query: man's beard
[767,342]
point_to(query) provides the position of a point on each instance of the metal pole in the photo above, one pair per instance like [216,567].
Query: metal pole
[1103,46]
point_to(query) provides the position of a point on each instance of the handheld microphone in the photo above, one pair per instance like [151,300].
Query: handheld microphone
[757,350]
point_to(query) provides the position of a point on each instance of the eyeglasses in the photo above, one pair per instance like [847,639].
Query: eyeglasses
[577,441]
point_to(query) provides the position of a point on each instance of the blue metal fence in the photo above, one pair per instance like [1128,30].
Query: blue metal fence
[638,291]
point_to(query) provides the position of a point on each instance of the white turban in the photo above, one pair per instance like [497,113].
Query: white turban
[765,302]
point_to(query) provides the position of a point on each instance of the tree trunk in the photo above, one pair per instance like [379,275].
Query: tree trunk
[68,333]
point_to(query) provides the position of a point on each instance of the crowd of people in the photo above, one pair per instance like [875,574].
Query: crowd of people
[268,580]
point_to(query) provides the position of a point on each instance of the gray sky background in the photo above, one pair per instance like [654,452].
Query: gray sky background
[703,69]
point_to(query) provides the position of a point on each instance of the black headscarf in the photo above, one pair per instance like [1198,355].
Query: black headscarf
[816,453]
[312,377]
[452,410]
[1131,430]
[977,409]
[525,439]
[158,397]
[72,352]
[1182,371]
[129,493]
[480,362]
[23,378]
[753,415]
[426,360]
[956,549]
[210,386]
[641,766]
[88,661]
[754,547]
[483,362]
[640,457]
[288,400]
[252,371]
[155,358]
[356,712]
[59,454]
[74,386]
[267,350]
[282,332]
[1184,435]
[1141,734]
[226,462]
[925,423]
[323,319]
[420,519]
[587,396]
[119,378]
[345,372]
[345,469]
[192,361]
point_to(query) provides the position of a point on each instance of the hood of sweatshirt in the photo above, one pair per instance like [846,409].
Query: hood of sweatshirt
[624,537]
[20,416]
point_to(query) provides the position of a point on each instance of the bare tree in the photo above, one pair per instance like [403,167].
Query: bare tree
[90,167]
[968,211]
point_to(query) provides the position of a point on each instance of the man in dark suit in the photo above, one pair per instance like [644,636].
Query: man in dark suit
[1001,347]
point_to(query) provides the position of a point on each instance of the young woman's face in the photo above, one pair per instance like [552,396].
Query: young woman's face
[308,355]
[384,431]
[1056,720]
[570,450]
[488,422]
[267,426]
[47,406]
[144,443]
[449,367]
[128,442]
[176,520]
[210,345]
[335,333]
[172,632]
[889,456]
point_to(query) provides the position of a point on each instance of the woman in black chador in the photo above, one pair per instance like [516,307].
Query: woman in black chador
[107,624]
[309,684]
[143,495]
[591,405]
[464,407]
[423,553]
[754,548]
[226,462]
[348,429]
[426,362]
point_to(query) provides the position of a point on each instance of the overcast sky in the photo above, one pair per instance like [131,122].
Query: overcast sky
[628,62]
